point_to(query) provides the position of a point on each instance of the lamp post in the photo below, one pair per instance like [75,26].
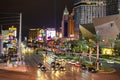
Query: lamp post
[19,43]
[1,41]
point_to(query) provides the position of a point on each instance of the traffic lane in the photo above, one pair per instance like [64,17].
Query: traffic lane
[12,75]
[70,74]
[30,63]
[32,60]
[106,76]
[65,75]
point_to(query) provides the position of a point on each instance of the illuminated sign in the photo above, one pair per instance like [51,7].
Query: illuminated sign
[107,51]
[11,37]
[39,38]
[12,28]
[13,31]
[50,33]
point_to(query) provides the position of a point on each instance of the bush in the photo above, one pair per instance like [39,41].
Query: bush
[105,56]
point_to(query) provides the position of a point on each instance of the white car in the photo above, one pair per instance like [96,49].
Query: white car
[110,61]
[73,62]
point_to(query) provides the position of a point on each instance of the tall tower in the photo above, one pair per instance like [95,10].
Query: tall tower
[65,23]
[71,24]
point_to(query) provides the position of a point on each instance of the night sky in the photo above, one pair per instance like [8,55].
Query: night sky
[37,13]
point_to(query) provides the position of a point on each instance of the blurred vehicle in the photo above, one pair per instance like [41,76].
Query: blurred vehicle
[62,68]
[77,64]
[69,61]
[57,65]
[52,65]
[92,69]
[39,65]
[43,68]
[83,67]
[73,62]
[110,61]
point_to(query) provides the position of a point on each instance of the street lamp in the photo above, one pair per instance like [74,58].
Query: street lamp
[1,41]
[19,43]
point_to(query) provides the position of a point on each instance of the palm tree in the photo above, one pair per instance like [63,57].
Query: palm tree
[97,39]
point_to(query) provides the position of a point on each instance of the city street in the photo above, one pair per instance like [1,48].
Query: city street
[71,73]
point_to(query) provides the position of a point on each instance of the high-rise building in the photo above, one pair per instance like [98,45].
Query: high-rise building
[68,24]
[87,10]
[112,7]
[33,34]
[71,24]
[65,23]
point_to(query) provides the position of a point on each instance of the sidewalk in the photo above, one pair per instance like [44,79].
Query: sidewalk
[14,67]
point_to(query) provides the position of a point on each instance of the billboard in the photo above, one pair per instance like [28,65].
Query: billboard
[50,33]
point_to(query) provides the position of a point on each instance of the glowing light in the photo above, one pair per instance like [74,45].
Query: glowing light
[107,51]
[38,73]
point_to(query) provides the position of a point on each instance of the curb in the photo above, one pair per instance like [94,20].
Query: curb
[18,69]
[107,72]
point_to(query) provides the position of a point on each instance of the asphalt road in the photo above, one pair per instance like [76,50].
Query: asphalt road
[71,73]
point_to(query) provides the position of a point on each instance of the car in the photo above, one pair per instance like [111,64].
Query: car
[62,68]
[57,65]
[52,64]
[73,62]
[53,68]
[39,65]
[77,64]
[83,67]
[110,61]
[68,61]
[43,68]
[92,69]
